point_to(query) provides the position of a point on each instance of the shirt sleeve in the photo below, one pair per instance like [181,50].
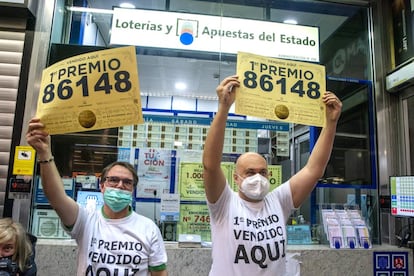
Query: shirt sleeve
[78,227]
[283,195]
[158,256]
[219,209]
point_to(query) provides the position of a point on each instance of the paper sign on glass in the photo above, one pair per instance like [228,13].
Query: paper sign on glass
[282,90]
[195,219]
[191,179]
[24,160]
[91,91]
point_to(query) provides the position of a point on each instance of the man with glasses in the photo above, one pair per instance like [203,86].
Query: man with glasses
[111,241]
[248,228]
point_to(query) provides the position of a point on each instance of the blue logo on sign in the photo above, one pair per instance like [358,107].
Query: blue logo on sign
[187,30]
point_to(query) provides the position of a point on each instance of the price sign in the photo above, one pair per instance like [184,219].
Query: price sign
[282,90]
[91,91]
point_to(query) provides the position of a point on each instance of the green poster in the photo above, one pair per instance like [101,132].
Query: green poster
[275,176]
[190,180]
[195,219]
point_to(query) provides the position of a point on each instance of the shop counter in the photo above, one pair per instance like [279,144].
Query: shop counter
[58,257]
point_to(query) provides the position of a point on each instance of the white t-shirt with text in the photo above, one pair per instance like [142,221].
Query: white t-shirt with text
[125,246]
[250,238]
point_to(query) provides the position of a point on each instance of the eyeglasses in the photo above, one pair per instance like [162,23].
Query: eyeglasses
[113,181]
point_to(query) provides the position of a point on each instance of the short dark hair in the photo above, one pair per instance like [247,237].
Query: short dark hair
[126,165]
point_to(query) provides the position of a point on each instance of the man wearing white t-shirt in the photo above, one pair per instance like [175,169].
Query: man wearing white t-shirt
[248,228]
[113,240]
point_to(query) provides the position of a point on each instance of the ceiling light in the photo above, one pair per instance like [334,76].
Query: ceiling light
[84,9]
[127,5]
[290,21]
[180,85]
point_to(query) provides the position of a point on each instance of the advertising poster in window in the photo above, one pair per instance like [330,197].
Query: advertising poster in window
[275,176]
[191,186]
[154,171]
[40,197]
[195,219]
[46,224]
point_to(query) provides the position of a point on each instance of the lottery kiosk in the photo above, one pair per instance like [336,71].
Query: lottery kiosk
[138,85]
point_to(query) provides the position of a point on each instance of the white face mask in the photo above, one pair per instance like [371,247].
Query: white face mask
[255,187]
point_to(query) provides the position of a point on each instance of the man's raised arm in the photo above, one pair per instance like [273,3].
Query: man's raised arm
[214,179]
[66,208]
[305,180]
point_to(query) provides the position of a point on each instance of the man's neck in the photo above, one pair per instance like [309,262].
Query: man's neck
[108,213]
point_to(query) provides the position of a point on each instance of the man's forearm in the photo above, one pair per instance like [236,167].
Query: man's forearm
[321,152]
[213,147]
[52,183]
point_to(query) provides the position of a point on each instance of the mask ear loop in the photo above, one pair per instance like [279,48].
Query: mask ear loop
[238,175]
[235,175]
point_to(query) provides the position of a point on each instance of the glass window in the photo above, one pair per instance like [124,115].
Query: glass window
[344,50]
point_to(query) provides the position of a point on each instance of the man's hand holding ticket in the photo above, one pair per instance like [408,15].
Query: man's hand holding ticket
[282,90]
[91,91]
